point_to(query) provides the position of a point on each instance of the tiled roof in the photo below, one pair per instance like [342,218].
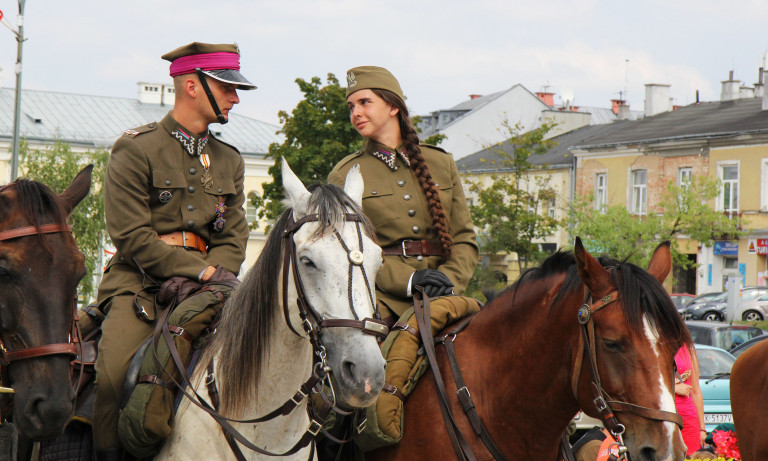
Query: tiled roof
[97,121]
[698,120]
[491,160]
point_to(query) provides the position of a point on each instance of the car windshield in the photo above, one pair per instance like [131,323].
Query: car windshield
[721,297]
[727,338]
[713,362]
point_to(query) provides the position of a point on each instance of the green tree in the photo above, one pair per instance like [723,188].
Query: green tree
[509,209]
[317,135]
[56,167]
[683,210]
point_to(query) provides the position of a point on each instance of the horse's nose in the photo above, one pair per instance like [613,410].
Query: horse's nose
[47,416]
[650,454]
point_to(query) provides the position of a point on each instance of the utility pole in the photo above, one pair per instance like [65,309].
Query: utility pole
[19,33]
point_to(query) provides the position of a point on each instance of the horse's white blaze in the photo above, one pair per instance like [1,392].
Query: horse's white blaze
[666,399]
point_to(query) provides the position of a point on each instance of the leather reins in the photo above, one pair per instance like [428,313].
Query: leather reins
[312,323]
[8,356]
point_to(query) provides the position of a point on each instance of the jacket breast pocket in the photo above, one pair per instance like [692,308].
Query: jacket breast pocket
[380,205]
[167,191]
[220,187]
[445,190]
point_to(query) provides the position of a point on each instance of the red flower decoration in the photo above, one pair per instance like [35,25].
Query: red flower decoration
[726,444]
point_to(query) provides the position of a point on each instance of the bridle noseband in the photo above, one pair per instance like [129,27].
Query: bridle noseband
[605,407]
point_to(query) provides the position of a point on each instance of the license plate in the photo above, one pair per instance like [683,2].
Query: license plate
[717,418]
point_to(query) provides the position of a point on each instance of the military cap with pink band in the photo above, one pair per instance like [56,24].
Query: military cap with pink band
[219,61]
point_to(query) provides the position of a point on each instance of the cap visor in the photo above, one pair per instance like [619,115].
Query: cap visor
[231,76]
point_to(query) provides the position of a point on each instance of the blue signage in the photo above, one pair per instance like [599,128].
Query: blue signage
[726,248]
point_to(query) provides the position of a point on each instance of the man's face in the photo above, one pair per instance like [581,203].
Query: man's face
[225,95]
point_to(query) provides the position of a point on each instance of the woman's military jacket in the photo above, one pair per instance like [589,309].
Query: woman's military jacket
[397,207]
[154,185]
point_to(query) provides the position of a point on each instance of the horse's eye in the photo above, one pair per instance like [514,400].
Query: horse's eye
[307,262]
[614,346]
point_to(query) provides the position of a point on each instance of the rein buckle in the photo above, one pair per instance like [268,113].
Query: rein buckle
[600,403]
[314,427]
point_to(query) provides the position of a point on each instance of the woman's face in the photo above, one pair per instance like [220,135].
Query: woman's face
[372,117]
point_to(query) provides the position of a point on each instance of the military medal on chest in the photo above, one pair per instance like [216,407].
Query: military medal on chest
[206,179]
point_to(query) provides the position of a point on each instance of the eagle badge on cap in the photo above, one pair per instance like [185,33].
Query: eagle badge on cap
[351,81]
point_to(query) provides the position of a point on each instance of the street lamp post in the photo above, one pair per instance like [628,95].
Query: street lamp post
[17,113]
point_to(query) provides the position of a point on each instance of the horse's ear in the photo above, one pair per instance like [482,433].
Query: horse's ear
[661,262]
[77,190]
[354,185]
[591,272]
[298,195]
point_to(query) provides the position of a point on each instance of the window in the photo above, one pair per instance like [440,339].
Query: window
[729,197]
[551,211]
[764,185]
[250,209]
[601,192]
[684,177]
[638,206]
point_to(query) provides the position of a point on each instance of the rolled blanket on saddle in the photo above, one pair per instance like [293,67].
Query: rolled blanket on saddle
[146,419]
[405,366]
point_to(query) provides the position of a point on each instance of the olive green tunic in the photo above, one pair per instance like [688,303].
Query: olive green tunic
[395,203]
[148,162]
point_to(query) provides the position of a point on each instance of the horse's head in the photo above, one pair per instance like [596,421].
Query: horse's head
[40,267]
[634,333]
[337,261]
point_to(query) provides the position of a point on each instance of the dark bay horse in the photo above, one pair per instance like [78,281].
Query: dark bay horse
[526,367]
[749,402]
[40,267]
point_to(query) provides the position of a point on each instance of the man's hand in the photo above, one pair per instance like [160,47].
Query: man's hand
[435,283]
[176,288]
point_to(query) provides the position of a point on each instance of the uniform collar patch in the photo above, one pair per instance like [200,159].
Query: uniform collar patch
[193,146]
[389,158]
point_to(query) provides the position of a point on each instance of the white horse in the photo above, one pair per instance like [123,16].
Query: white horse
[262,355]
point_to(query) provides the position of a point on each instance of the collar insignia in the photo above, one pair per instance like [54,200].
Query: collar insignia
[389,158]
[194,147]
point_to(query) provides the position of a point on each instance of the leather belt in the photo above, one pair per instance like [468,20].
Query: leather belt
[185,239]
[413,248]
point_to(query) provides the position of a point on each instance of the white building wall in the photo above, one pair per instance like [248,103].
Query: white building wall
[484,126]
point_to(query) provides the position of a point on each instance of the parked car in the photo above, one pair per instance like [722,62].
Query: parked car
[714,309]
[741,348]
[715,382]
[721,334]
[752,310]
[714,379]
[680,300]
[702,298]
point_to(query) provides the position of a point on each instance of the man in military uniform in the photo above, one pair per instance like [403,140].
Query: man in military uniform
[174,208]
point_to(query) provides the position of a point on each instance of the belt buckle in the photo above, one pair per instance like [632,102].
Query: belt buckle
[184,238]
[402,244]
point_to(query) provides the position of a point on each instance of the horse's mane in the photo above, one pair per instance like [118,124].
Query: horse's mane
[639,292]
[249,315]
[37,202]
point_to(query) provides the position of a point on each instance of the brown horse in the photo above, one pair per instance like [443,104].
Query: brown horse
[749,388]
[40,267]
[528,372]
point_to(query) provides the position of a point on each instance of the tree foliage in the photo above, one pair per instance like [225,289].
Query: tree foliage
[510,211]
[56,167]
[684,210]
[318,135]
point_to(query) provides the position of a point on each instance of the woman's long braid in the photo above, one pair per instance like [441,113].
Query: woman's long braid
[440,222]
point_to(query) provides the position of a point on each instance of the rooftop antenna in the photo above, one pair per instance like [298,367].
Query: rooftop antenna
[623,95]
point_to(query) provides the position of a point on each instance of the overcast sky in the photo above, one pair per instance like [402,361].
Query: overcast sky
[441,51]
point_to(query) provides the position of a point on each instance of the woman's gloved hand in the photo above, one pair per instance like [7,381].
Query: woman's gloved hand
[435,283]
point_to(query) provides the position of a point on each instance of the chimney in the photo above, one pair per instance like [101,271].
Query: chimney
[616,104]
[155,93]
[657,99]
[759,86]
[746,92]
[546,98]
[475,96]
[730,88]
[623,113]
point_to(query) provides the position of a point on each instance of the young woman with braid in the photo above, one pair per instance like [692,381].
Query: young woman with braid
[413,195]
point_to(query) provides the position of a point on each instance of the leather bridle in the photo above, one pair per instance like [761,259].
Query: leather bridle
[8,356]
[604,406]
[312,323]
